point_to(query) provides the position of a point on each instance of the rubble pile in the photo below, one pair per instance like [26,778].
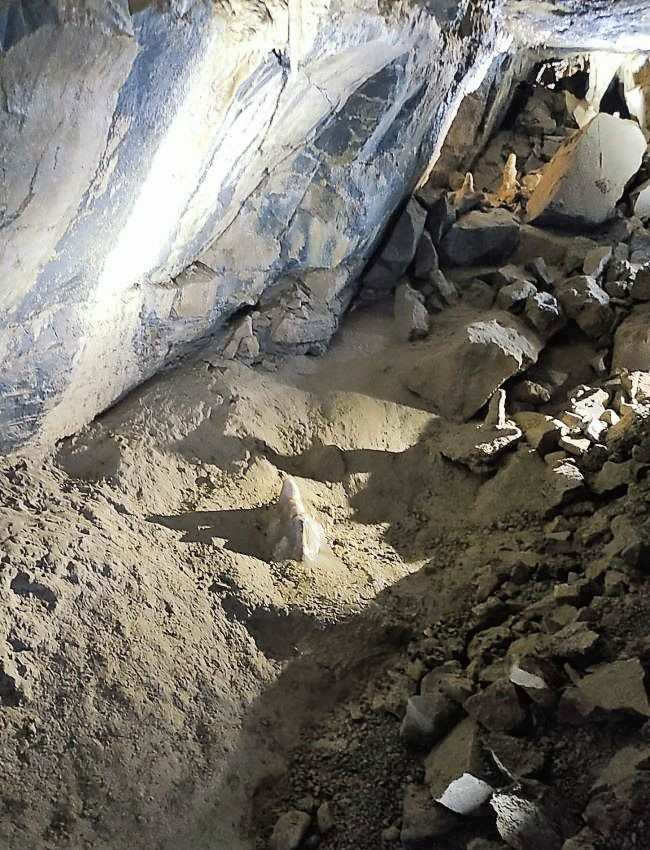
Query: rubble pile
[526,723]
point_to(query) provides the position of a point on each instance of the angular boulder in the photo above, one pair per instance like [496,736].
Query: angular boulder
[428,717]
[481,238]
[464,362]
[497,708]
[289,830]
[398,250]
[426,258]
[530,817]
[423,820]
[587,304]
[640,288]
[411,316]
[632,341]
[455,771]
[619,686]
[587,176]
[544,313]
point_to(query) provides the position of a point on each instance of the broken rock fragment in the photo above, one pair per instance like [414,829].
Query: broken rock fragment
[398,251]
[530,817]
[428,717]
[544,313]
[514,295]
[516,758]
[596,261]
[455,771]
[443,289]
[485,353]
[289,830]
[542,432]
[293,534]
[481,238]
[632,341]
[424,820]
[411,316]
[587,176]
[426,257]
[441,216]
[617,686]
[587,304]
[497,708]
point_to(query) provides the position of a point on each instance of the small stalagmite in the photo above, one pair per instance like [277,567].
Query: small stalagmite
[293,535]
[509,188]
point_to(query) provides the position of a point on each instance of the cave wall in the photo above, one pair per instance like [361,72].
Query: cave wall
[165,163]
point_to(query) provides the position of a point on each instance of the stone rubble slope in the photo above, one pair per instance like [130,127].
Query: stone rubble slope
[526,722]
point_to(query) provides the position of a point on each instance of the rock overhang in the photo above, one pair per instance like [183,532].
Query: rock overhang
[269,142]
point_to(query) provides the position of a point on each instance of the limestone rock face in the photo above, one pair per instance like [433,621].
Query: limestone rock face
[586,178]
[249,141]
[166,164]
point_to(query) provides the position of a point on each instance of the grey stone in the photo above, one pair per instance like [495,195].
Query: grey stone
[623,765]
[455,772]
[544,313]
[542,432]
[535,242]
[640,288]
[536,118]
[632,341]
[441,216]
[398,250]
[531,392]
[596,261]
[443,289]
[426,258]
[617,686]
[530,817]
[481,238]
[510,274]
[497,708]
[514,296]
[575,641]
[423,820]
[478,294]
[451,683]
[640,247]
[486,353]
[541,272]
[587,304]
[612,477]
[516,758]
[289,830]
[411,316]
[180,154]
[587,176]
[428,717]
[479,449]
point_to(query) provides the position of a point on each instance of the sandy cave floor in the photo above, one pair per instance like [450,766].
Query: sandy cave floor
[164,665]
